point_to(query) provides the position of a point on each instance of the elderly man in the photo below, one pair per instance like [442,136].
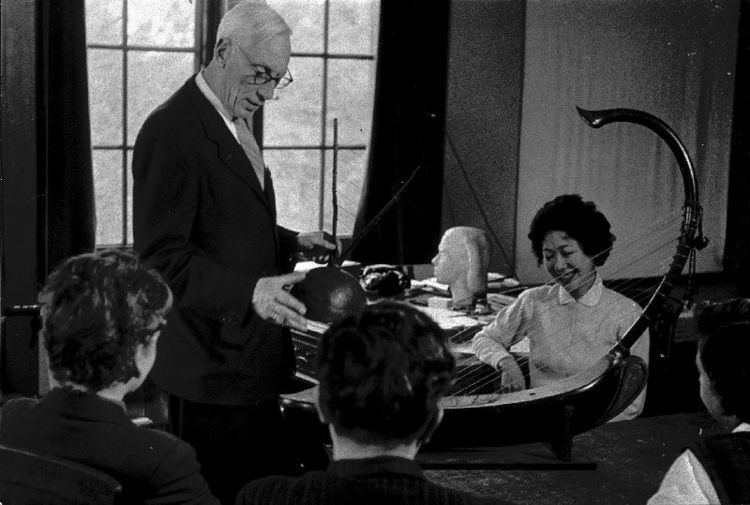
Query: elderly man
[205,217]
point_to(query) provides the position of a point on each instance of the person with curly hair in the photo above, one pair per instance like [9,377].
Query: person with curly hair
[574,320]
[382,374]
[717,468]
[101,318]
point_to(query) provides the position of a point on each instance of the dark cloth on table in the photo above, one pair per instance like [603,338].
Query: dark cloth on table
[726,459]
[201,218]
[383,480]
[152,466]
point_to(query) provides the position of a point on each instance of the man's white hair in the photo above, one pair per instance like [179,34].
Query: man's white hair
[251,22]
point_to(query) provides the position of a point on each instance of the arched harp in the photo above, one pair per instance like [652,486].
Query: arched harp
[558,412]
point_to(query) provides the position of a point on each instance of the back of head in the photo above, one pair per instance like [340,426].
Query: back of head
[724,357]
[250,23]
[382,373]
[96,308]
[477,246]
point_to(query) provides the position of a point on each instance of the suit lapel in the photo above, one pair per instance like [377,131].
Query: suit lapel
[229,150]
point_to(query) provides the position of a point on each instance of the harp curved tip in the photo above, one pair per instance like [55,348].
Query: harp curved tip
[591,117]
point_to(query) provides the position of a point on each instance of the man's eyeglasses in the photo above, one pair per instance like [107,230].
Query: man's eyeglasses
[262,74]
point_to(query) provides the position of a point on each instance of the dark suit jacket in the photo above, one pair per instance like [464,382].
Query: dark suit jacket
[384,480]
[152,466]
[201,218]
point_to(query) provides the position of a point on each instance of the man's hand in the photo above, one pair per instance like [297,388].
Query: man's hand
[317,246]
[273,302]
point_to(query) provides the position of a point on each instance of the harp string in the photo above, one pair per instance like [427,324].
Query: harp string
[557,345]
[623,261]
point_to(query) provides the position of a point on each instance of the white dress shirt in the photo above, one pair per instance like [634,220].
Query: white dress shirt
[239,129]
[566,336]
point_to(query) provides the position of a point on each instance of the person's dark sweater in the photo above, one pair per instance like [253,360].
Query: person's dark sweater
[152,466]
[380,480]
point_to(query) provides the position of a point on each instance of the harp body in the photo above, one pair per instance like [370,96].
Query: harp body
[552,414]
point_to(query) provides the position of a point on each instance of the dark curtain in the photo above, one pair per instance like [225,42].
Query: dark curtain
[737,247]
[407,132]
[65,155]
[209,18]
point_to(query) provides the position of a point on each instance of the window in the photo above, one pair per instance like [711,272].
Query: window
[333,63]
[139,53]
[142,51]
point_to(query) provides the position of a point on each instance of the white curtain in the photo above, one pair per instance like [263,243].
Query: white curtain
[672,58]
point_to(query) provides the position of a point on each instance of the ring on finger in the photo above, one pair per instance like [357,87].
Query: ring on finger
[276,317]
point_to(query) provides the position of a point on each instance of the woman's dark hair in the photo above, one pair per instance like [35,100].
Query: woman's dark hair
[382,373]
[723,355]
[581,220]
[95,309]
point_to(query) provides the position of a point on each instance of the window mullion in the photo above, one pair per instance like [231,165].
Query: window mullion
[124,150]
[324,114]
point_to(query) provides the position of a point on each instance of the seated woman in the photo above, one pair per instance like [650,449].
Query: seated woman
[382,374]
[101,318]
[717,469]
[461,262]
[573,321]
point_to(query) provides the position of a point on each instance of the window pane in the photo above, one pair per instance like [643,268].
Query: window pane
[162,23]
[104,22]
[108,195]
[296,181]
[350,99]
[351,167]
[354,26]
[294,119]
[152,78]
[305,18]
[105,96]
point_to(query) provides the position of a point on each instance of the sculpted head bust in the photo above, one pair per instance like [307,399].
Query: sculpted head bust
[461,262]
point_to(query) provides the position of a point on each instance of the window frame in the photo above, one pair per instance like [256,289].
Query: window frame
[324,144]
[125,147]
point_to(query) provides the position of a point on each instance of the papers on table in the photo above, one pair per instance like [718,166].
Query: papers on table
[448,319]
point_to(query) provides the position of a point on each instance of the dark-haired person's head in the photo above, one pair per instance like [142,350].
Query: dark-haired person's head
[101,317]
[571,237]
[580,220]
[382,374]
[722,362]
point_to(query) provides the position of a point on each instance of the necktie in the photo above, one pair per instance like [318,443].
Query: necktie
[247,141]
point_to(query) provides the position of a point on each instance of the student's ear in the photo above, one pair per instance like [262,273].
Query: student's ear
[430,426]
[321,415]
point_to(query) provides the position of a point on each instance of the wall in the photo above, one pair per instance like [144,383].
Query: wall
[517,70]
[483,119]
[20,201]
[672,58]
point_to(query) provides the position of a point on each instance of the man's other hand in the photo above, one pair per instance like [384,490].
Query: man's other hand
[272,301]
[317,246]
